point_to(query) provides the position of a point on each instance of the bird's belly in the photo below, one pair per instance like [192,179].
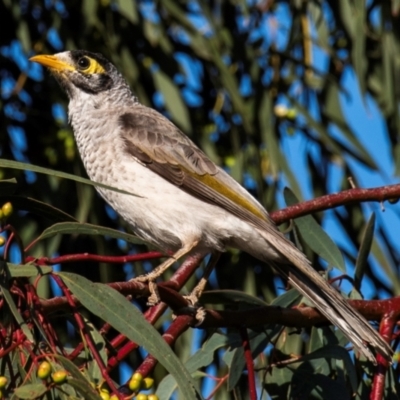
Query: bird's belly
[159,211]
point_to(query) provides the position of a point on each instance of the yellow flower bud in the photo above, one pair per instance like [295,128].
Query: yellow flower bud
[134,385]
[104,394]
[44,370]
[59,376]
[3,382]
[7,209]
[147,383]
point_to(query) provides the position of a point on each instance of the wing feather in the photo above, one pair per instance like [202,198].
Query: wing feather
[164,149]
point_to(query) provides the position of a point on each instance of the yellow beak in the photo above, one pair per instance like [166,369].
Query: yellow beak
[52,62]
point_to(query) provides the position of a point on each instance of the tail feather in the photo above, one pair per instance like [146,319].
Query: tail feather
[328,300]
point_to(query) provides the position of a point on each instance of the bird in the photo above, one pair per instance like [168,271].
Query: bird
[183,202]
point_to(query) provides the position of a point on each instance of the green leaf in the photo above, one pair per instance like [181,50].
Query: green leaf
[287,299]
[315,236]
[116,310]
[279,383]
[128,9]
[8,186]
[365,248]
[28,270]
[46,171]
[89,11]
[339,353]
[30,391]
[358,39]
[200,359]
[173,100]
[78,228]
[386,264]
[74,371]
[93,367]
[388,84]
[268,135]
[333,111]
[83,389]
[231,297]
[24,36]
[4,276]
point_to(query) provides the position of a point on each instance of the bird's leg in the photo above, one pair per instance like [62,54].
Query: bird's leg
[158,271]
[194,296]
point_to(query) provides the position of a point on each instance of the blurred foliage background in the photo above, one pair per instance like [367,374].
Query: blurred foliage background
[261,86]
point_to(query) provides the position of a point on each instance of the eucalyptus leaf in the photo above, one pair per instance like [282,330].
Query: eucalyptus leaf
[128,9]
[200,359]
[365,248]
[30,391]
[4,275]
[84,389]
[339,353]
[46,171]
[87,229]
[116,310]
[173,100]
[28,270]
[315,236]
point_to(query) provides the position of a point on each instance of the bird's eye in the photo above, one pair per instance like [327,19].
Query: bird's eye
[83,63]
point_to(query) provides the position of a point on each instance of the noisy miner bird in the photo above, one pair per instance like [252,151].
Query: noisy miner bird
[184,202]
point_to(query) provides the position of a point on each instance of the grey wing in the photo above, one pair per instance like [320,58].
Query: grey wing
[162,141]
[162,147]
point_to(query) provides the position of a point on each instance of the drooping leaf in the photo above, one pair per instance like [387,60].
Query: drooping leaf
[63,228]
[315,236]
[173,100]
[338,353]
[363,253]
[4,286]
[116,310]
[128,9]
[200,359]
[46,171]
[231,297]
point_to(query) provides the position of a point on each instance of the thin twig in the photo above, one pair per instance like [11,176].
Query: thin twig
[249,362]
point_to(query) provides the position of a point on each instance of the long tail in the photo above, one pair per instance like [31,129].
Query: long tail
[328,300]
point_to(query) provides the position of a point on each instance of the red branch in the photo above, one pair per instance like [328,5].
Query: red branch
[386,327]
[329,201]
[294,317]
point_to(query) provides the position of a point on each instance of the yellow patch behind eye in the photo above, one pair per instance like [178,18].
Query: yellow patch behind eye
[94,67]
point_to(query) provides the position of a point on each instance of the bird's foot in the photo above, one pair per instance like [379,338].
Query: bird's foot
[200,312]
[154,297]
